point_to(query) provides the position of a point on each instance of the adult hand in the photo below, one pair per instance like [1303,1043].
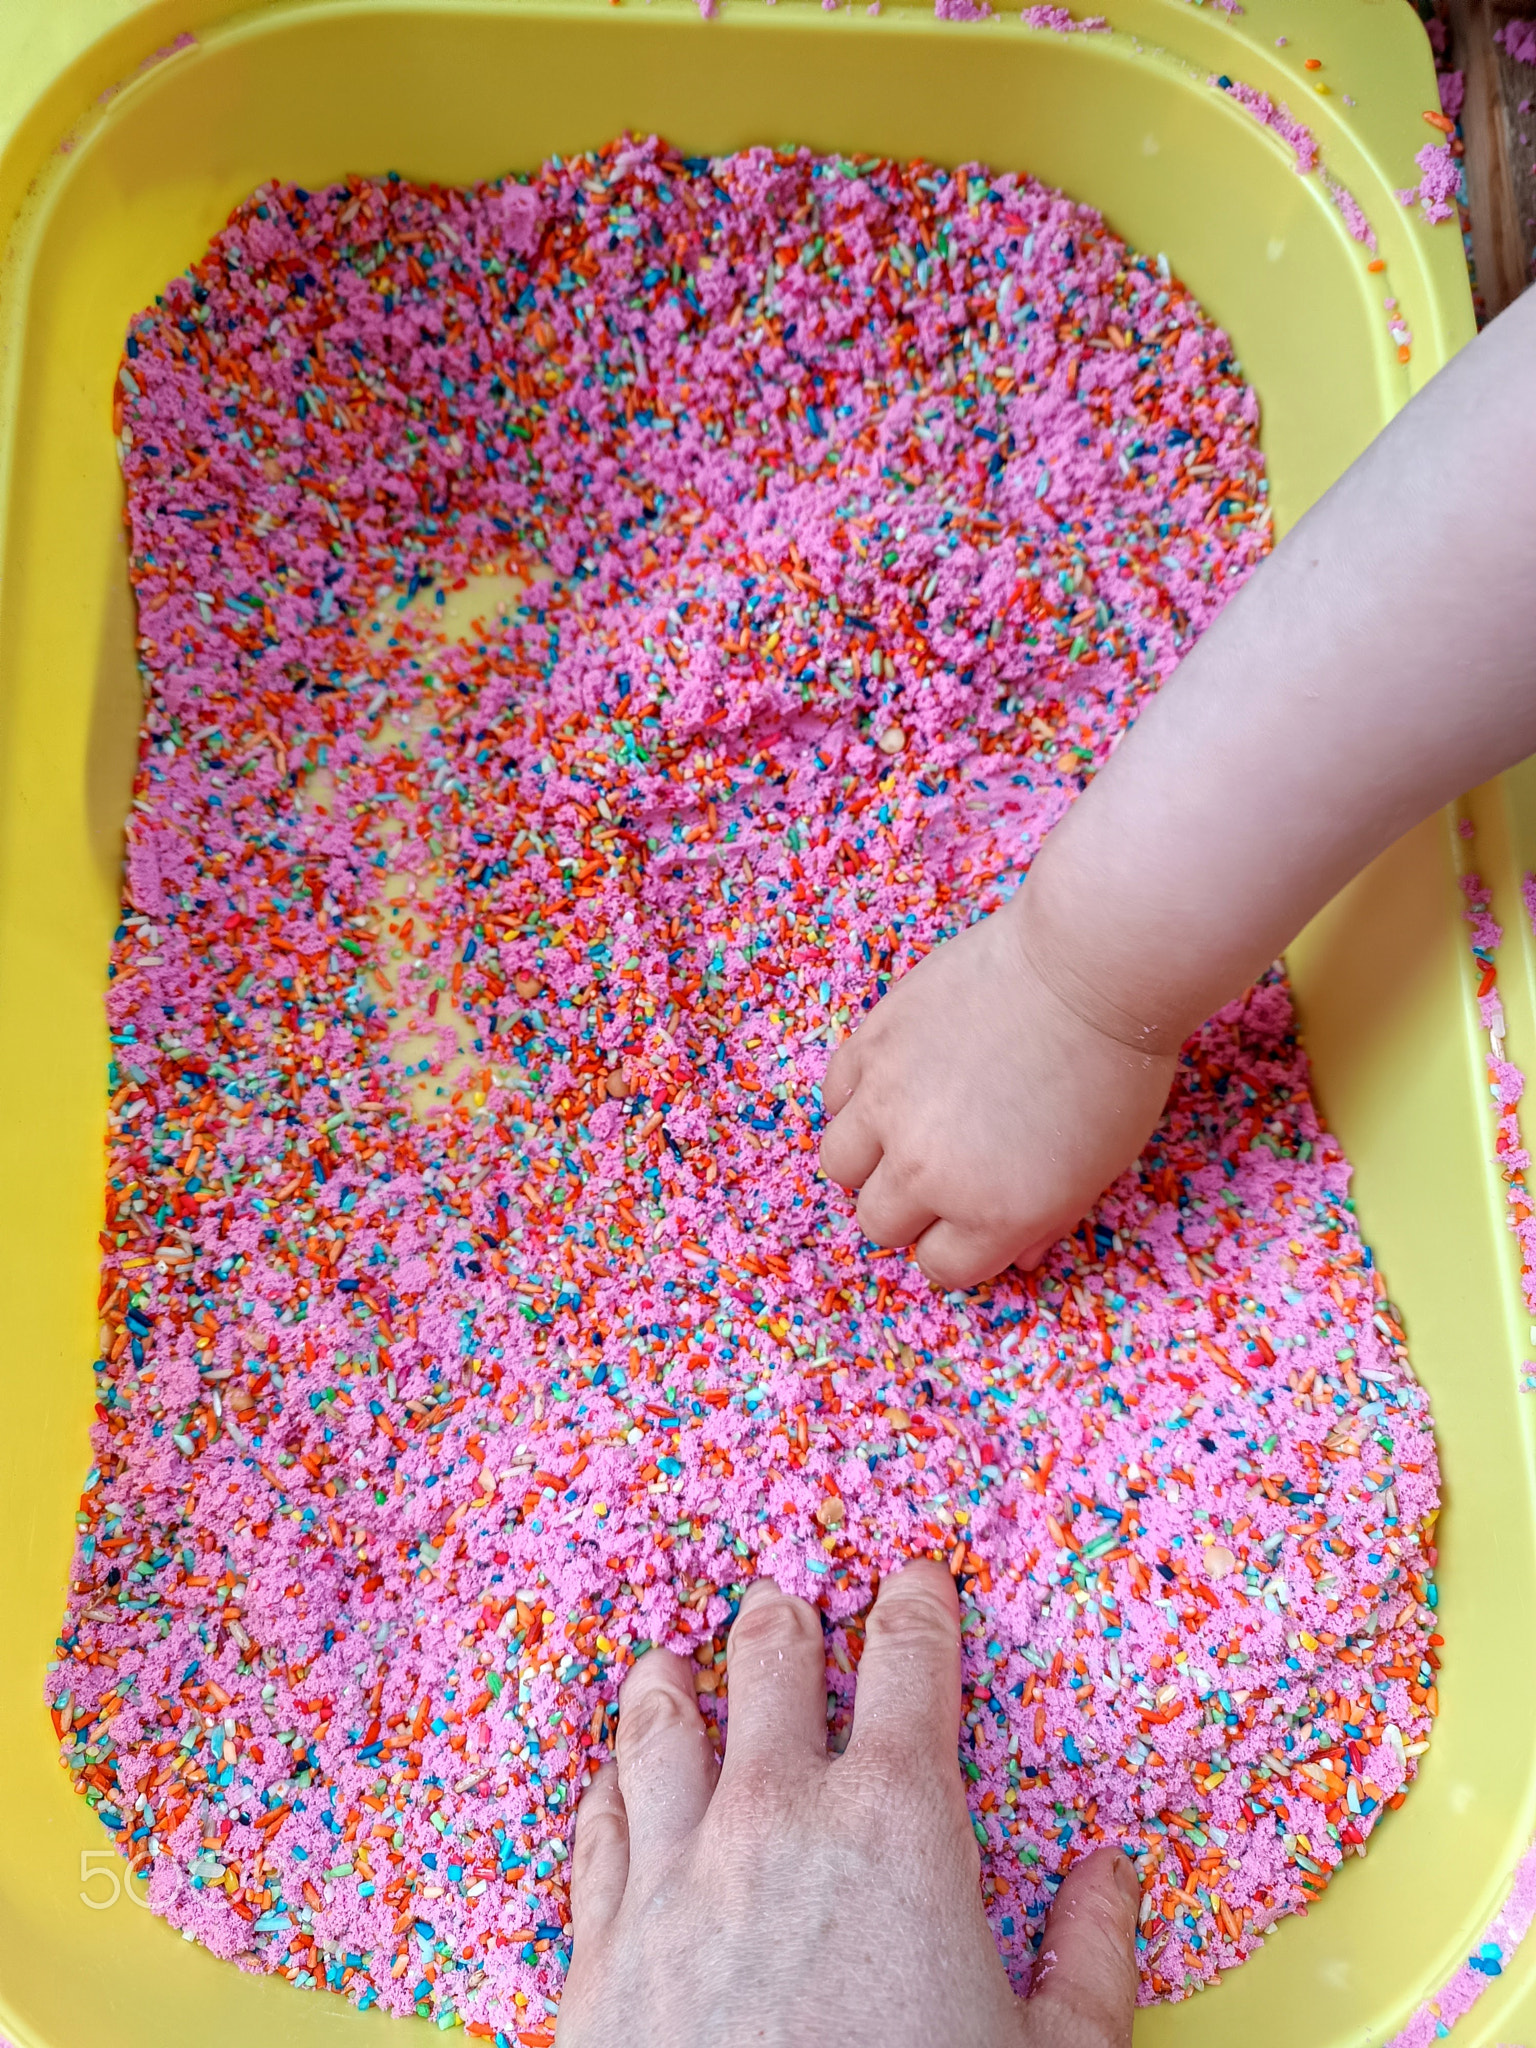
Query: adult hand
[791,1897]
[978,1112]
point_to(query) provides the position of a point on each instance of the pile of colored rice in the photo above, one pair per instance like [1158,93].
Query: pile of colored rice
[473,1314]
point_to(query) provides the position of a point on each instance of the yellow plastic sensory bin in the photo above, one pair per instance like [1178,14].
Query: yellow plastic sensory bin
[128,131]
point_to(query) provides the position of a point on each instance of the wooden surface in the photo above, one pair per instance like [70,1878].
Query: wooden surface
[1501,148]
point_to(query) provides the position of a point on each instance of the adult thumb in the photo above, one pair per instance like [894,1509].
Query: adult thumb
[1086,1975]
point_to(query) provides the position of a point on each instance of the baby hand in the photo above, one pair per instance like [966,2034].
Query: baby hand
[977,1113]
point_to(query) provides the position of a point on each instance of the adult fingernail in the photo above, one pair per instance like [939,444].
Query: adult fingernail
[1126,1878]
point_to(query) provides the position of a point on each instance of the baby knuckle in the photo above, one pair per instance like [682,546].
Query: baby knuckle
[953,1269]
[906,1164]
[839,1161]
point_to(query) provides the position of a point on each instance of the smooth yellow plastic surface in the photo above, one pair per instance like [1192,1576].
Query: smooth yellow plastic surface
[115,169]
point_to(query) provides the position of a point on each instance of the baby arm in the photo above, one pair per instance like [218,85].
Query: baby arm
[1381,660]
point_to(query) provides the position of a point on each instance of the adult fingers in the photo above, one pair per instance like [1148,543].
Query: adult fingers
[1085,1981]
[907,1704]
[667,1765]
[890,1212]
[850,1147]
[776,1669]
[600,1856]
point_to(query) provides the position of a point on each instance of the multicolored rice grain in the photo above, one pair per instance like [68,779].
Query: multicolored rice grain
[472,1312]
